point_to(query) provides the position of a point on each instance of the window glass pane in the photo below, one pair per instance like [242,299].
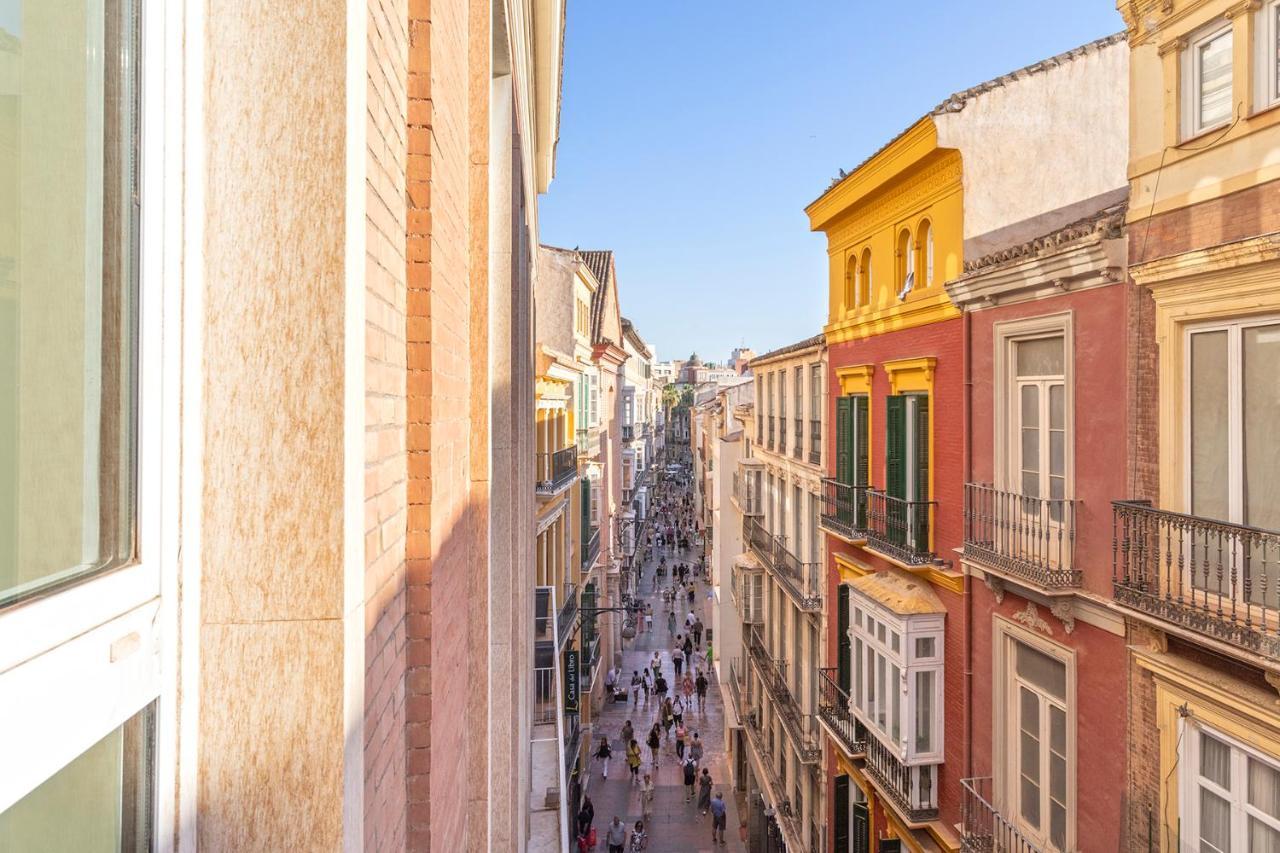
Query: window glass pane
[1040,357]
[895,712]
[857,673]
[1208,412]
[68,228]
[1261,469]
[1264,788]
[894,641]
[1262,838]
[881,688]
[1214,60]
[99,803]
[1215,760]
[924,711]
[1215,822]
[1045,672]
[924,647]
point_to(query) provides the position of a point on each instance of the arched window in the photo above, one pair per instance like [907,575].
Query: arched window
[924,244]
[864,278]
[906,263]
[850,282]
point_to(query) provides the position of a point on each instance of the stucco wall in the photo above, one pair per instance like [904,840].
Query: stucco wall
[1042,141]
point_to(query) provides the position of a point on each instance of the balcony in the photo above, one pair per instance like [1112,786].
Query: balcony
[982,828]
[774,675]
[735,689]
[899,528]
[590,548]
[910,787]
[1027,540]
[815,442]
[839,721]
[556,470]
[1215,578]
[844,510]
[628,432]
[792,832]
[800,580]
[568,615]
[588,443]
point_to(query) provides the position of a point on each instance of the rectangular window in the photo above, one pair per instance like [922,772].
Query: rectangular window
[1207,85]
[69,241]
[782,410]
[1267,55]
[1039,419]
[102,801]
[1233,403]
[1230,794]
[907,469]
[594,414]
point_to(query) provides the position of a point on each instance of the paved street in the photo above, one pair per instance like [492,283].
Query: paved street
[676,826]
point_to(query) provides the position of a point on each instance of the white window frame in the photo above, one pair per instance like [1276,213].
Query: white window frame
[88,657]
[1006,336]
[1189,73]
[1190,780]
[1266,54]
[908,629]
[1004,721]
[1235,403]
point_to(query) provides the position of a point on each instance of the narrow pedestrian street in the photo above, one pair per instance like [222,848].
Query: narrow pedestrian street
[676,825]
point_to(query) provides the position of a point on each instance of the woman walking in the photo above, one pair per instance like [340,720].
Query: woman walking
[655,743]
[604,752]
[633,759]
[704,791]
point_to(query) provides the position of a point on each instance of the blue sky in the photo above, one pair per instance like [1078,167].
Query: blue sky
[694,132]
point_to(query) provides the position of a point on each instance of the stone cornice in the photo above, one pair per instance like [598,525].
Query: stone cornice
[907,196]
[1192,273]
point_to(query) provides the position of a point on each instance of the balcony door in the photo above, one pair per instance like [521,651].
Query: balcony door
[1038,463]
[1233,459]
[907,470]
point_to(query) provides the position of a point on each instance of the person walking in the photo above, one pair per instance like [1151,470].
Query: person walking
[646,797]
[681,733]
[695,750]
[616,836]
[710,656]
[586,816]
[697,633]
[646,682]
[668,717]
[700,686]
[636,682]
[719,815]
[704,791]
[655,743]
[648,618]
[639,840]
[671,622]
[686,687]
[633,759]
[628,732]
[604,752]
[677,657]
[660,687]
[655,664]
[677,711]
[690,778]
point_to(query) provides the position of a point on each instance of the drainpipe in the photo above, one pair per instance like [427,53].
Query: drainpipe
[966,414]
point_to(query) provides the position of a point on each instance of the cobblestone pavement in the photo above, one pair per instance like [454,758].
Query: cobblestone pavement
[677,826]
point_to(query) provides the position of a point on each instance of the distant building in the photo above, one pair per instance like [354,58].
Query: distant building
[740,359]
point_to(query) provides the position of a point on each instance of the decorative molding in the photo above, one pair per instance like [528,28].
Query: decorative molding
[1242,8]
[1174,45]
[910,374]
[1031,618]
[1062,610]
[996,585]
[1198,268]
[1273,678]
[944,177]
[856,379]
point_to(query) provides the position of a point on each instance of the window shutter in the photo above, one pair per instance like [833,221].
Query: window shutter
[921,472]
[843,642]
[841,814]
[587,603]
[844,439]
[860,422]
[895,433]
[586,511]
[595,401]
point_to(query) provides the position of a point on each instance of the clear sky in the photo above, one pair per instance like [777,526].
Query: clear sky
[694,133]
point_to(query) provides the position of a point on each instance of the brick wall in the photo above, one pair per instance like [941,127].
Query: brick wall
[1244,214]
[385,411]
[438,410]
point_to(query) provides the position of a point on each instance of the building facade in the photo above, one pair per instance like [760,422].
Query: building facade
[1196,526]
[266,445]
[896,702]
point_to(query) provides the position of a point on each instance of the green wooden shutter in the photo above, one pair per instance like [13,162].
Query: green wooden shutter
[895,434]
[843,659]
[841,815]
[587,603]
[921,473]
[844,439]
[860,420]
[586,513]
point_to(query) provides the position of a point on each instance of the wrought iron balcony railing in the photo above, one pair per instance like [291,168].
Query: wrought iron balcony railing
[899,528]
[800,580]
[815,442]
[911,787]
[844,510]
[773,673]
[590,548]
[1212,577]
[1028,539]
[833,711]
[567,619]
[557,470]
[735,689]
[982,828]
[785,814]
